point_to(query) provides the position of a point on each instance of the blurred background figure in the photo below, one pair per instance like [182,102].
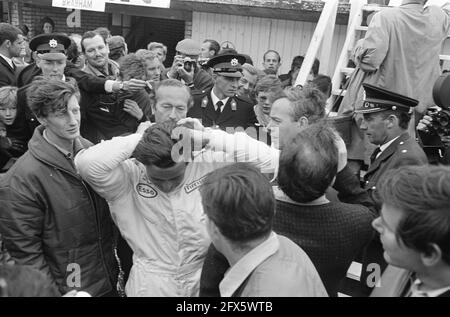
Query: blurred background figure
[47,26]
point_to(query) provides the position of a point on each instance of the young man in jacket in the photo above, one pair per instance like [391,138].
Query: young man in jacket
[50,218]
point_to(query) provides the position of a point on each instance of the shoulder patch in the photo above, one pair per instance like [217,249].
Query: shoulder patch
[146,190]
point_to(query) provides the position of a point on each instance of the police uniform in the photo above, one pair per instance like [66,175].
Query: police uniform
[48,47]
[237,112]
[403,151]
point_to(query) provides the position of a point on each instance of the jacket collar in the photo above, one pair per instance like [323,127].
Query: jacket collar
[49,154]
[388,152]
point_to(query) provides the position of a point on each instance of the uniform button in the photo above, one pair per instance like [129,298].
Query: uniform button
[404,151]
[401,143]
[367,182]
[374,188]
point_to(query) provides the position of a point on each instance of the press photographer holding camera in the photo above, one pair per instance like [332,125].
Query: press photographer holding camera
[434,128]
[186,68]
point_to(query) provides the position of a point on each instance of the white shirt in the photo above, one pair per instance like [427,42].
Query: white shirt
[8,60]
[385,146]
[216,99]
[416,292]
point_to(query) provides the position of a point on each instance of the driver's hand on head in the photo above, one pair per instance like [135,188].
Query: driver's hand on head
[143,127]
[191,123]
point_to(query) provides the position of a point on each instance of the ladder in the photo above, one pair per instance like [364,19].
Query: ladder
[355,31]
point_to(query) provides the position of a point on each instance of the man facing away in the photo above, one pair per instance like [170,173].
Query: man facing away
[240,206]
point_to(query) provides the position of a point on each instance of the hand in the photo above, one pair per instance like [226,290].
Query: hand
[191,123]
[132,108]
[188,77]
[446,140]
[143,127]
[425,124]
[177,63]
[134,85]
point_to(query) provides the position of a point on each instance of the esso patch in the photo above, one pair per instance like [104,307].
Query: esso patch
[146,191]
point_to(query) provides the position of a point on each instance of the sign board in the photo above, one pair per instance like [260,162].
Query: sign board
[90,5]
[147,3]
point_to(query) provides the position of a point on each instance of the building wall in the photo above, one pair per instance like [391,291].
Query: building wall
[254,36]
[32,14]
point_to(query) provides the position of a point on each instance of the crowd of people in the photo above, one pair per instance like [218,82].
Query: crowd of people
[212,177]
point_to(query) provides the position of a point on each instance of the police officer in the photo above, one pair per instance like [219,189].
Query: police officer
[386,120]
[220,107]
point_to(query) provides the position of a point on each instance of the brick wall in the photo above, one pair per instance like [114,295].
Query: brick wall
[32,15]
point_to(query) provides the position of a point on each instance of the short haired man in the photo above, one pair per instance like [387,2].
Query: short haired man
[103,114]
[266,88]
[332,233]
[240,206]
[50,218]
[12,42]
[185,67]
[220,107]
[386,119]
[414,231]
[272,61]
[248,81]
[96,51]
[210,48]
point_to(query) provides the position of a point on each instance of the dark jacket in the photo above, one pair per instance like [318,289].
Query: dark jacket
[52,220]
[7,74]
[403,151]
[238,112]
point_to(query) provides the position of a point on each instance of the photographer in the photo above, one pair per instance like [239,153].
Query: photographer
[186,69]
[434,128]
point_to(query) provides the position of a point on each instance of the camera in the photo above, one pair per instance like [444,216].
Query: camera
[188,64]
[441,95]
[431,139]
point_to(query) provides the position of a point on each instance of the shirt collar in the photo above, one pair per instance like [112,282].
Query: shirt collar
[386,145]
[216,99]
[416,292]
[239,272]
[281,196]
[67,154]
[8,60]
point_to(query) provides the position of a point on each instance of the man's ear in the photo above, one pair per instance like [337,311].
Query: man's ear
[392,121]
[214,76]
[303,122]
[433,255]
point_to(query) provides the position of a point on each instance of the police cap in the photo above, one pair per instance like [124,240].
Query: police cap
[378,99]
[50,46]
[228,65]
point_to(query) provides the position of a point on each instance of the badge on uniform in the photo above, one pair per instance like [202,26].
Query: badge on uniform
[233,105]
[204,102]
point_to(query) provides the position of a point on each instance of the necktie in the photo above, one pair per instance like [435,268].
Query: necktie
[219,105]
[374,155]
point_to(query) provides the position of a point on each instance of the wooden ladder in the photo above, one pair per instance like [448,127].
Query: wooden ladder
[355,31]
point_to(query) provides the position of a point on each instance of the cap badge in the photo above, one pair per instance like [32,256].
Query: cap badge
[234,62]
[53,43]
